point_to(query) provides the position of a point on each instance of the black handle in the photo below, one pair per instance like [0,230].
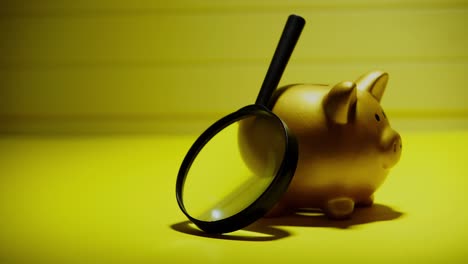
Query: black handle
[291,32]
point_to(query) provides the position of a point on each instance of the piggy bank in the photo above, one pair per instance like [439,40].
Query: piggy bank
[346,144]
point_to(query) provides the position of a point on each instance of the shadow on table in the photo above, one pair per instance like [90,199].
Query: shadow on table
[268,229]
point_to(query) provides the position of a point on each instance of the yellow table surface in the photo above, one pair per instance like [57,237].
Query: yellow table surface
[112,199]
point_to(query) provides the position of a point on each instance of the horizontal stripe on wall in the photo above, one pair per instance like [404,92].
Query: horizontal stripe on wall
[383,34]
[213,88]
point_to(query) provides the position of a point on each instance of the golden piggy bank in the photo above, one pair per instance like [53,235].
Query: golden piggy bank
[346,144]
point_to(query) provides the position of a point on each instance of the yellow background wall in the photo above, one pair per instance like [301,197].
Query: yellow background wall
[178,65]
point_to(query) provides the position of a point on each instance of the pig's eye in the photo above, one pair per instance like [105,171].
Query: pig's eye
[377,117]
[383,113]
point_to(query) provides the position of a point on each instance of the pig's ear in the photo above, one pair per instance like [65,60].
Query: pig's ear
[340,102]
[373,82]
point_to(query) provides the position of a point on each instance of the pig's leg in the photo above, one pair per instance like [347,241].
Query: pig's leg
[369,201]
[339,208]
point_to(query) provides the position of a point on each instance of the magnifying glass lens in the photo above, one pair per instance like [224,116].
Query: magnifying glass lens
[235,167]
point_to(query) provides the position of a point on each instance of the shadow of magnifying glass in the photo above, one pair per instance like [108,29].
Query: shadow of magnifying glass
[255,232]
[269,229]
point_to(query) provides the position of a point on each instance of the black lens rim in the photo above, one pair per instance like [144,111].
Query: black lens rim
[267,199]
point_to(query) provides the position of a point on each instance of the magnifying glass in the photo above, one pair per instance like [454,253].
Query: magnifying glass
[238,169]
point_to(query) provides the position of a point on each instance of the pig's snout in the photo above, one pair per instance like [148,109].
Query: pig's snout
[392,148]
